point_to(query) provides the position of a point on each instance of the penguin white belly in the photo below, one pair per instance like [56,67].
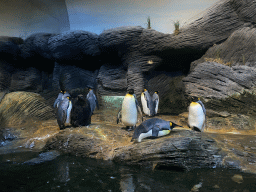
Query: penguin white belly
[68,112]
[196,116]
[144,105]
[145,135]
[163,132]
[156,109]
[129,111]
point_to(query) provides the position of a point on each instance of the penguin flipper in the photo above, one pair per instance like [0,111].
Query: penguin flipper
[155,132]
[138,106]
[202,105]
[119,116]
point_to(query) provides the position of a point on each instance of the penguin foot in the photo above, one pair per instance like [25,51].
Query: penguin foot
[196,129]
[129,128]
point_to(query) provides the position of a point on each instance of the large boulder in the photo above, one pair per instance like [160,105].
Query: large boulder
[112,80]
[36,45]
[9,48]
[74,46]
[70,78]
[227,92]
[26,80]
[17,108]
[238,49]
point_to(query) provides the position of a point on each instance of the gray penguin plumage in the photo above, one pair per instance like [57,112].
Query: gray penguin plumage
[154,127]
[93,100]
[155,99]
[147,103]
[58,100]
[63,112]
[60,97]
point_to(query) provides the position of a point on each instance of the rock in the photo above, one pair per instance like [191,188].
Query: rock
[36,46]
[9,47]
[224,88]
[112,78]
[19,107]
[73,77]
[213,80]
[74,46]
[43,157]
[171,91]
[237,178]
[120,39]
[26,80]
[238,49]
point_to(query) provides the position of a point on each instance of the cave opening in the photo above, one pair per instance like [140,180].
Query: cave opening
[178,61]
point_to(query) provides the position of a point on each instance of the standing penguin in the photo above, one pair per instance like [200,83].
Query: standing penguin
[60,97]
[81,112]
[128,113]
[63,112]
[147,104]
[196,115]
[154,127]
[155,99]
[93,100]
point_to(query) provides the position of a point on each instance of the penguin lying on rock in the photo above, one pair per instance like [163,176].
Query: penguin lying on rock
[63,112]
[154,127]
[196,115]
[128,113]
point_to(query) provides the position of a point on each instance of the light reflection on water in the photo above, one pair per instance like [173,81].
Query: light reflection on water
[70,173]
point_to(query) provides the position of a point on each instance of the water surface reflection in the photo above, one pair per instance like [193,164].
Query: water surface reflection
[70,173]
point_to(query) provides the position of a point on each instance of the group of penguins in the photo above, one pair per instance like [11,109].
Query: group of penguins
[78,112]
[156,127]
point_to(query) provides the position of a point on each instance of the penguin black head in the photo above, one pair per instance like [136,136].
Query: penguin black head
[131,91]
[80,97]
[172,125]
[62,91]
[68,97]
[156,92]
[194,99]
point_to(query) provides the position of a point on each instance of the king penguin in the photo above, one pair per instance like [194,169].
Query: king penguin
[60,97]
[63,112]
[128,113]
[154,127]
[196,115]
[155,99]
[81,112]
[147,104]
[93,100]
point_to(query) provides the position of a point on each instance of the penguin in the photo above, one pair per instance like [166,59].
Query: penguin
[196,115]
[128,112]
[155,99]
[63,112]
[147,104]
[60,97]
[93,100]
[80,112]
[154,127]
